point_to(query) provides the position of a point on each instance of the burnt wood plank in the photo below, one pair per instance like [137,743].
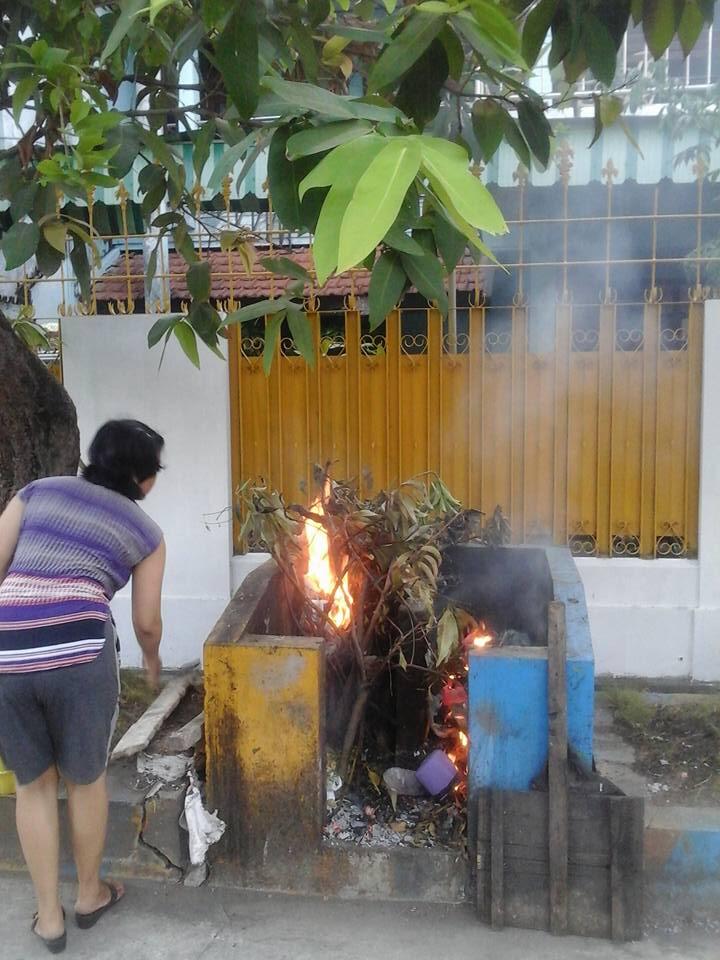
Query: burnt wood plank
[497,860]
[626,853]
[557,769]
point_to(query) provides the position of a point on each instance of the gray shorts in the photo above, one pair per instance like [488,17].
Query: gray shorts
[63,717]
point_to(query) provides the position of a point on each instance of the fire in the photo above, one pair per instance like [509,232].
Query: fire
[478,638]
[463,740]
[320,578]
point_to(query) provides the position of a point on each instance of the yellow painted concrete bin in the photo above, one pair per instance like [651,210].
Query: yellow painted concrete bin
[7,781]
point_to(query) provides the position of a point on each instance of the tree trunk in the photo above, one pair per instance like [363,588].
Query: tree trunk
[39,435]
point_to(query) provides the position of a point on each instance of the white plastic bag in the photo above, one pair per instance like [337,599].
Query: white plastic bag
[204,828]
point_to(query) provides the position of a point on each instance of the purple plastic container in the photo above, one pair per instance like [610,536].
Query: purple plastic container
[436,772]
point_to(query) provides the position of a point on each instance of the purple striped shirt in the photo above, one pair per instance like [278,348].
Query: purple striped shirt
[78,545]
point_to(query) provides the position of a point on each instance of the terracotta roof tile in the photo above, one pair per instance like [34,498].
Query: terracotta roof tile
[230,278]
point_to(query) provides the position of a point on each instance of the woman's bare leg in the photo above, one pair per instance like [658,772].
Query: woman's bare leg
[88,811]
[38,827]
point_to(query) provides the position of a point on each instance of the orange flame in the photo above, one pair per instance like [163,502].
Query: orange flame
[463,740]
[320,577]
[478,638]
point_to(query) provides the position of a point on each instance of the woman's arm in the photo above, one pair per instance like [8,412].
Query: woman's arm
[10,523]
[147,620]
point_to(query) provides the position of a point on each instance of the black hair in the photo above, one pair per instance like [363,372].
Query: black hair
[122,454]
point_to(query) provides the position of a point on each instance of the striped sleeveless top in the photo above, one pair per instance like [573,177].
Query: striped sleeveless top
[77,546]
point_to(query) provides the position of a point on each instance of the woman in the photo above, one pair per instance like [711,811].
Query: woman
[67,544]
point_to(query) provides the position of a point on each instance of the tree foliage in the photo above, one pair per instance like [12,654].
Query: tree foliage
[372,112]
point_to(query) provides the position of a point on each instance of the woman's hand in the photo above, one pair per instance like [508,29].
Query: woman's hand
[153,668]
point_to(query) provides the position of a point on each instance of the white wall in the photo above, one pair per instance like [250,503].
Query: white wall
[109,372]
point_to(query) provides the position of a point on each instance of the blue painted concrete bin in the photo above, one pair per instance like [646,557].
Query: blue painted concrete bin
[508,686]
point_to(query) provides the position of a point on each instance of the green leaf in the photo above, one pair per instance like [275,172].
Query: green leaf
[536,129]
[421,88]
[19,244]
[55,233]
[536,29]
[48,259]
[448,636]
[451,243]
[426,275]
[690,26]
[126,139]
[163,155]
[302,40]
[387,283]
[398,239]
[396,59]
[500,31]
[311,99]
[377,199]
[600,50]
[446,166]
[263,308]
[205,321]
[659,24]
[21,95]
[198,279]
[453,51]
[333,168]
[302,334]
[129,11]
[157,7]
[326,137]
[201,150]
[32,334]
[610,109]
[342,168]
[483,43]
[185,336]
[161,328]
[284,178]
[81,266]
[272,332]
[23,200]
[488,122]
[228,161]
[516,140]
[285,267]
[184,244]
[151,270]
[236,53]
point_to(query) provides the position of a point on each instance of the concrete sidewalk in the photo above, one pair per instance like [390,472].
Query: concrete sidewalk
[167,922]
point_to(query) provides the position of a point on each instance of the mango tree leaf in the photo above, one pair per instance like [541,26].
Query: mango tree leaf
[161,328]
[659,24]
[228,160]
[81,266]
[488,122]
[421,88]
[285,177]
[201,147]
[446,167]
[426,275]
[399,240]
[500,31]
[517,141]
[184,244]
[387,283]
[482,42]
[535,129]
[354,160]
[185,336]
[377,199]
[285,267]
[205,321]
[272,332]
[23,90]
[23,200]
[32,334]
[325,137]
[19,244]
[311,99]
[690,26]
[55,233]
[198,280]
[453,51]
[129,11]
[253,311]
[125,138]
[451,243]
[302,334]
[536,29]
[600,50]
[302,40]
[48,259]
[448,636]
[405,49]
[236,53]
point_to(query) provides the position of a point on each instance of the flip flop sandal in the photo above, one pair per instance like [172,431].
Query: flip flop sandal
[54,945]
[87,920]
